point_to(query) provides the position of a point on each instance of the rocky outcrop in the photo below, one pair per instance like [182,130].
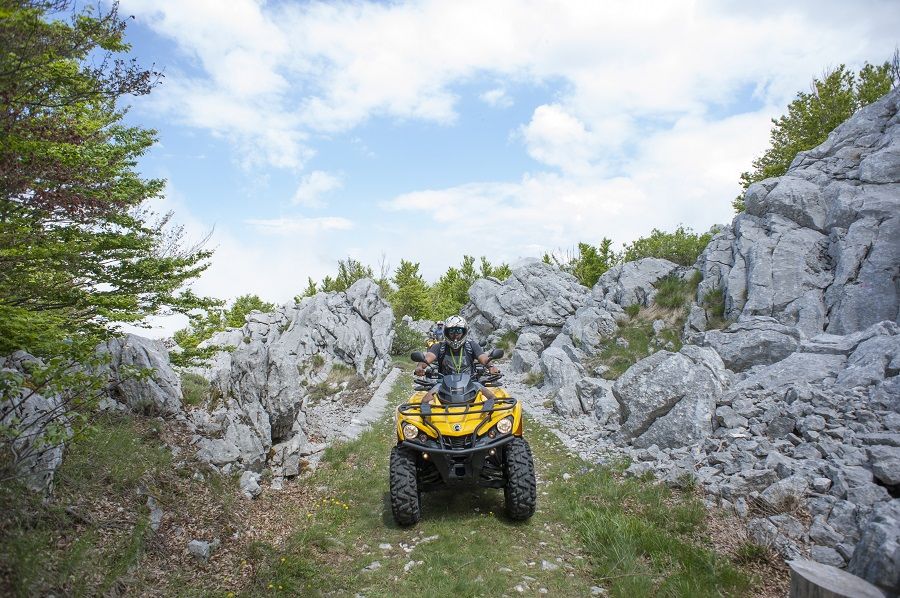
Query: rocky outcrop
[264,384]
[817,248]
[141,376]
[32,422]
[634,283]
[668,399]
[537,298]
[756,340]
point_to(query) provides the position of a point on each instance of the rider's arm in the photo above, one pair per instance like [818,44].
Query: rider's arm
[429,359]
[484,358]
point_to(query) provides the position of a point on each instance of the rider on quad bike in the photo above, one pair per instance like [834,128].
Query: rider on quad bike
[454,431]
[454,355]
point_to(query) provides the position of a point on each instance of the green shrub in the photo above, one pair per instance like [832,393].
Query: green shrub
[633,310]
[406,340]
[317,361]
[714,303]
[194,388]
[682,246]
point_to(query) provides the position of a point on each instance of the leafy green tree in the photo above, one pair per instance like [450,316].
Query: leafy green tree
[77,252]
[683,246]
[210,321]
[813,115]
[411,296]
[243,305]
[590,263]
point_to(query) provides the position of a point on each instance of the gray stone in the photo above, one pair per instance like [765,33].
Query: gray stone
[31,415]
[158,392]
[633,283]
[650,390]
[596,394]
[785,494]
[827,556]
[755,340]
[871,362]
[885,463]
[559,369]
[822,533]
[200,550]
[877,555]
[249,484]
[536,297]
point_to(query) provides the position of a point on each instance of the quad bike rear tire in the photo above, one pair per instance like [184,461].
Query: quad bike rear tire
[405,495]
[520,492]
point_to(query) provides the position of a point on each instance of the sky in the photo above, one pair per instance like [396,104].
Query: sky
[296,134]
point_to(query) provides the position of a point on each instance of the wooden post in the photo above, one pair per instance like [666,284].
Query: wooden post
[810,579]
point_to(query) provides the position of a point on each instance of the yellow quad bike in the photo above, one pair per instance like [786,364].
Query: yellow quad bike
[467,440]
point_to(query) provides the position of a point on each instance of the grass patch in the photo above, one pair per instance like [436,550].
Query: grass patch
[317,361]
[534,378]
[631,537]
[674,293]
[68,546]
[713,303]
[508,341]
[194,388]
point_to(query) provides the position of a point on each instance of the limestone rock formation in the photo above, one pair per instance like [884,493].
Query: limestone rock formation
[29,416]
[537,298]
[159,391]
[633,283]
[265,382]
[818,247]
[668,399]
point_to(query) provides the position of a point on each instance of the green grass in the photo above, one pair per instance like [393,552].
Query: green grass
[632,537]
[674,293]
[508,341]
[44,549]
[194,388]
[534,378]
[714,304]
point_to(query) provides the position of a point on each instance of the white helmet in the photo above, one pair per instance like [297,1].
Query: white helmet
[455,331]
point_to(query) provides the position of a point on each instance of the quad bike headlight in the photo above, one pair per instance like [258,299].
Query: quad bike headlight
[410,431]
[504,426]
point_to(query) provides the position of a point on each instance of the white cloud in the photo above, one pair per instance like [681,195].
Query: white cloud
[287,226]
[496,97]
[274,72]
[313,186]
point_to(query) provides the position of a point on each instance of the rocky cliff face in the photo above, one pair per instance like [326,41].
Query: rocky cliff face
[819,248]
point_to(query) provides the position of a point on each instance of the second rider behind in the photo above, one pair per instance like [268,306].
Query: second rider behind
[455,354]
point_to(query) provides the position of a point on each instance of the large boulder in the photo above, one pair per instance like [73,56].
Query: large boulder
[536,298]
[559,370]
[634,283]
[877,555]
[756,340]
[669,399]
[157,392]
